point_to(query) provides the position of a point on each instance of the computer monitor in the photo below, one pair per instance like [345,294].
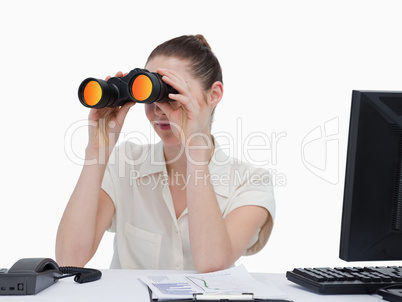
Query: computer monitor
[372,206]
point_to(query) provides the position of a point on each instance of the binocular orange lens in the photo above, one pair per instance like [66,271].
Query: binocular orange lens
[92,93]
[139,86]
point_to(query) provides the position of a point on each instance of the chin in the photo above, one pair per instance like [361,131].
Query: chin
[168,139]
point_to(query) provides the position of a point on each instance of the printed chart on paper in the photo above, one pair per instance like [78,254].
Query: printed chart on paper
[235,280]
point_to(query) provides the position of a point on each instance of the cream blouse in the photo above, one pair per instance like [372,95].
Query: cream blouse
[147,233]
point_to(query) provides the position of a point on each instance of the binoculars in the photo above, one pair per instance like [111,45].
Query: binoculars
[139,85]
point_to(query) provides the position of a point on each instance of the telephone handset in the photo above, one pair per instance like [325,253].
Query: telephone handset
[29,276]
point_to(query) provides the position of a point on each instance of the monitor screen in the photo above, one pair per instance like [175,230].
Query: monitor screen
[372,206]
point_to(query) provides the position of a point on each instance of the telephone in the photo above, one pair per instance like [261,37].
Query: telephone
[29,276]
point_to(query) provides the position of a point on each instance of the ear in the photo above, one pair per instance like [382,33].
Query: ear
[215,94]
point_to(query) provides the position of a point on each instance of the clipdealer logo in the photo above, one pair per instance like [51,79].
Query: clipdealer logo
[258,148]
[320,151]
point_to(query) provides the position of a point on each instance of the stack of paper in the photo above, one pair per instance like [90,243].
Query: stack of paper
[234,281]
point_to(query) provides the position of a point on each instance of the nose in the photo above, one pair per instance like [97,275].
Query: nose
[158,111]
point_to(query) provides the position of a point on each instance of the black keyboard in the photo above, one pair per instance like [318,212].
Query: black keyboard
[348,280]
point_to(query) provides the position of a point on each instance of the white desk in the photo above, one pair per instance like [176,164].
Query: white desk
[122,286]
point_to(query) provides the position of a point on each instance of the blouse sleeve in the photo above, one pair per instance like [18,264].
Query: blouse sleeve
[255,188]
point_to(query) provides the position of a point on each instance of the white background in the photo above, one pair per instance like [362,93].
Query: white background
[289,69]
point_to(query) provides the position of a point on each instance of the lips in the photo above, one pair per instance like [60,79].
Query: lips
[163,125]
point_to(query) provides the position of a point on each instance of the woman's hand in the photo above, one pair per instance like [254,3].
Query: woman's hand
[105,124]
[189,122]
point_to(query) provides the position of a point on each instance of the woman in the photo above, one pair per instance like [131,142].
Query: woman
[201,217]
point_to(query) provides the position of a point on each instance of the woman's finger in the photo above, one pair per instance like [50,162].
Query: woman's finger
[166,108]
[122,113]
[119,74]
[188,103]
[173,80]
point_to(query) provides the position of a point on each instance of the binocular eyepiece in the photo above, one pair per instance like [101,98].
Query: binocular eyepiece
[139,85]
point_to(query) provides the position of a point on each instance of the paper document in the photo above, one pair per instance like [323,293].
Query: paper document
[233,281]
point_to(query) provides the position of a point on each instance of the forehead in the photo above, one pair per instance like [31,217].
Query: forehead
[172,63]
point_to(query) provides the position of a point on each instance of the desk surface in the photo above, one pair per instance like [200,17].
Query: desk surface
[122,286]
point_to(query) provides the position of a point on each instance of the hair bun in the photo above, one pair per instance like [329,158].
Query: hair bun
[203,41]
